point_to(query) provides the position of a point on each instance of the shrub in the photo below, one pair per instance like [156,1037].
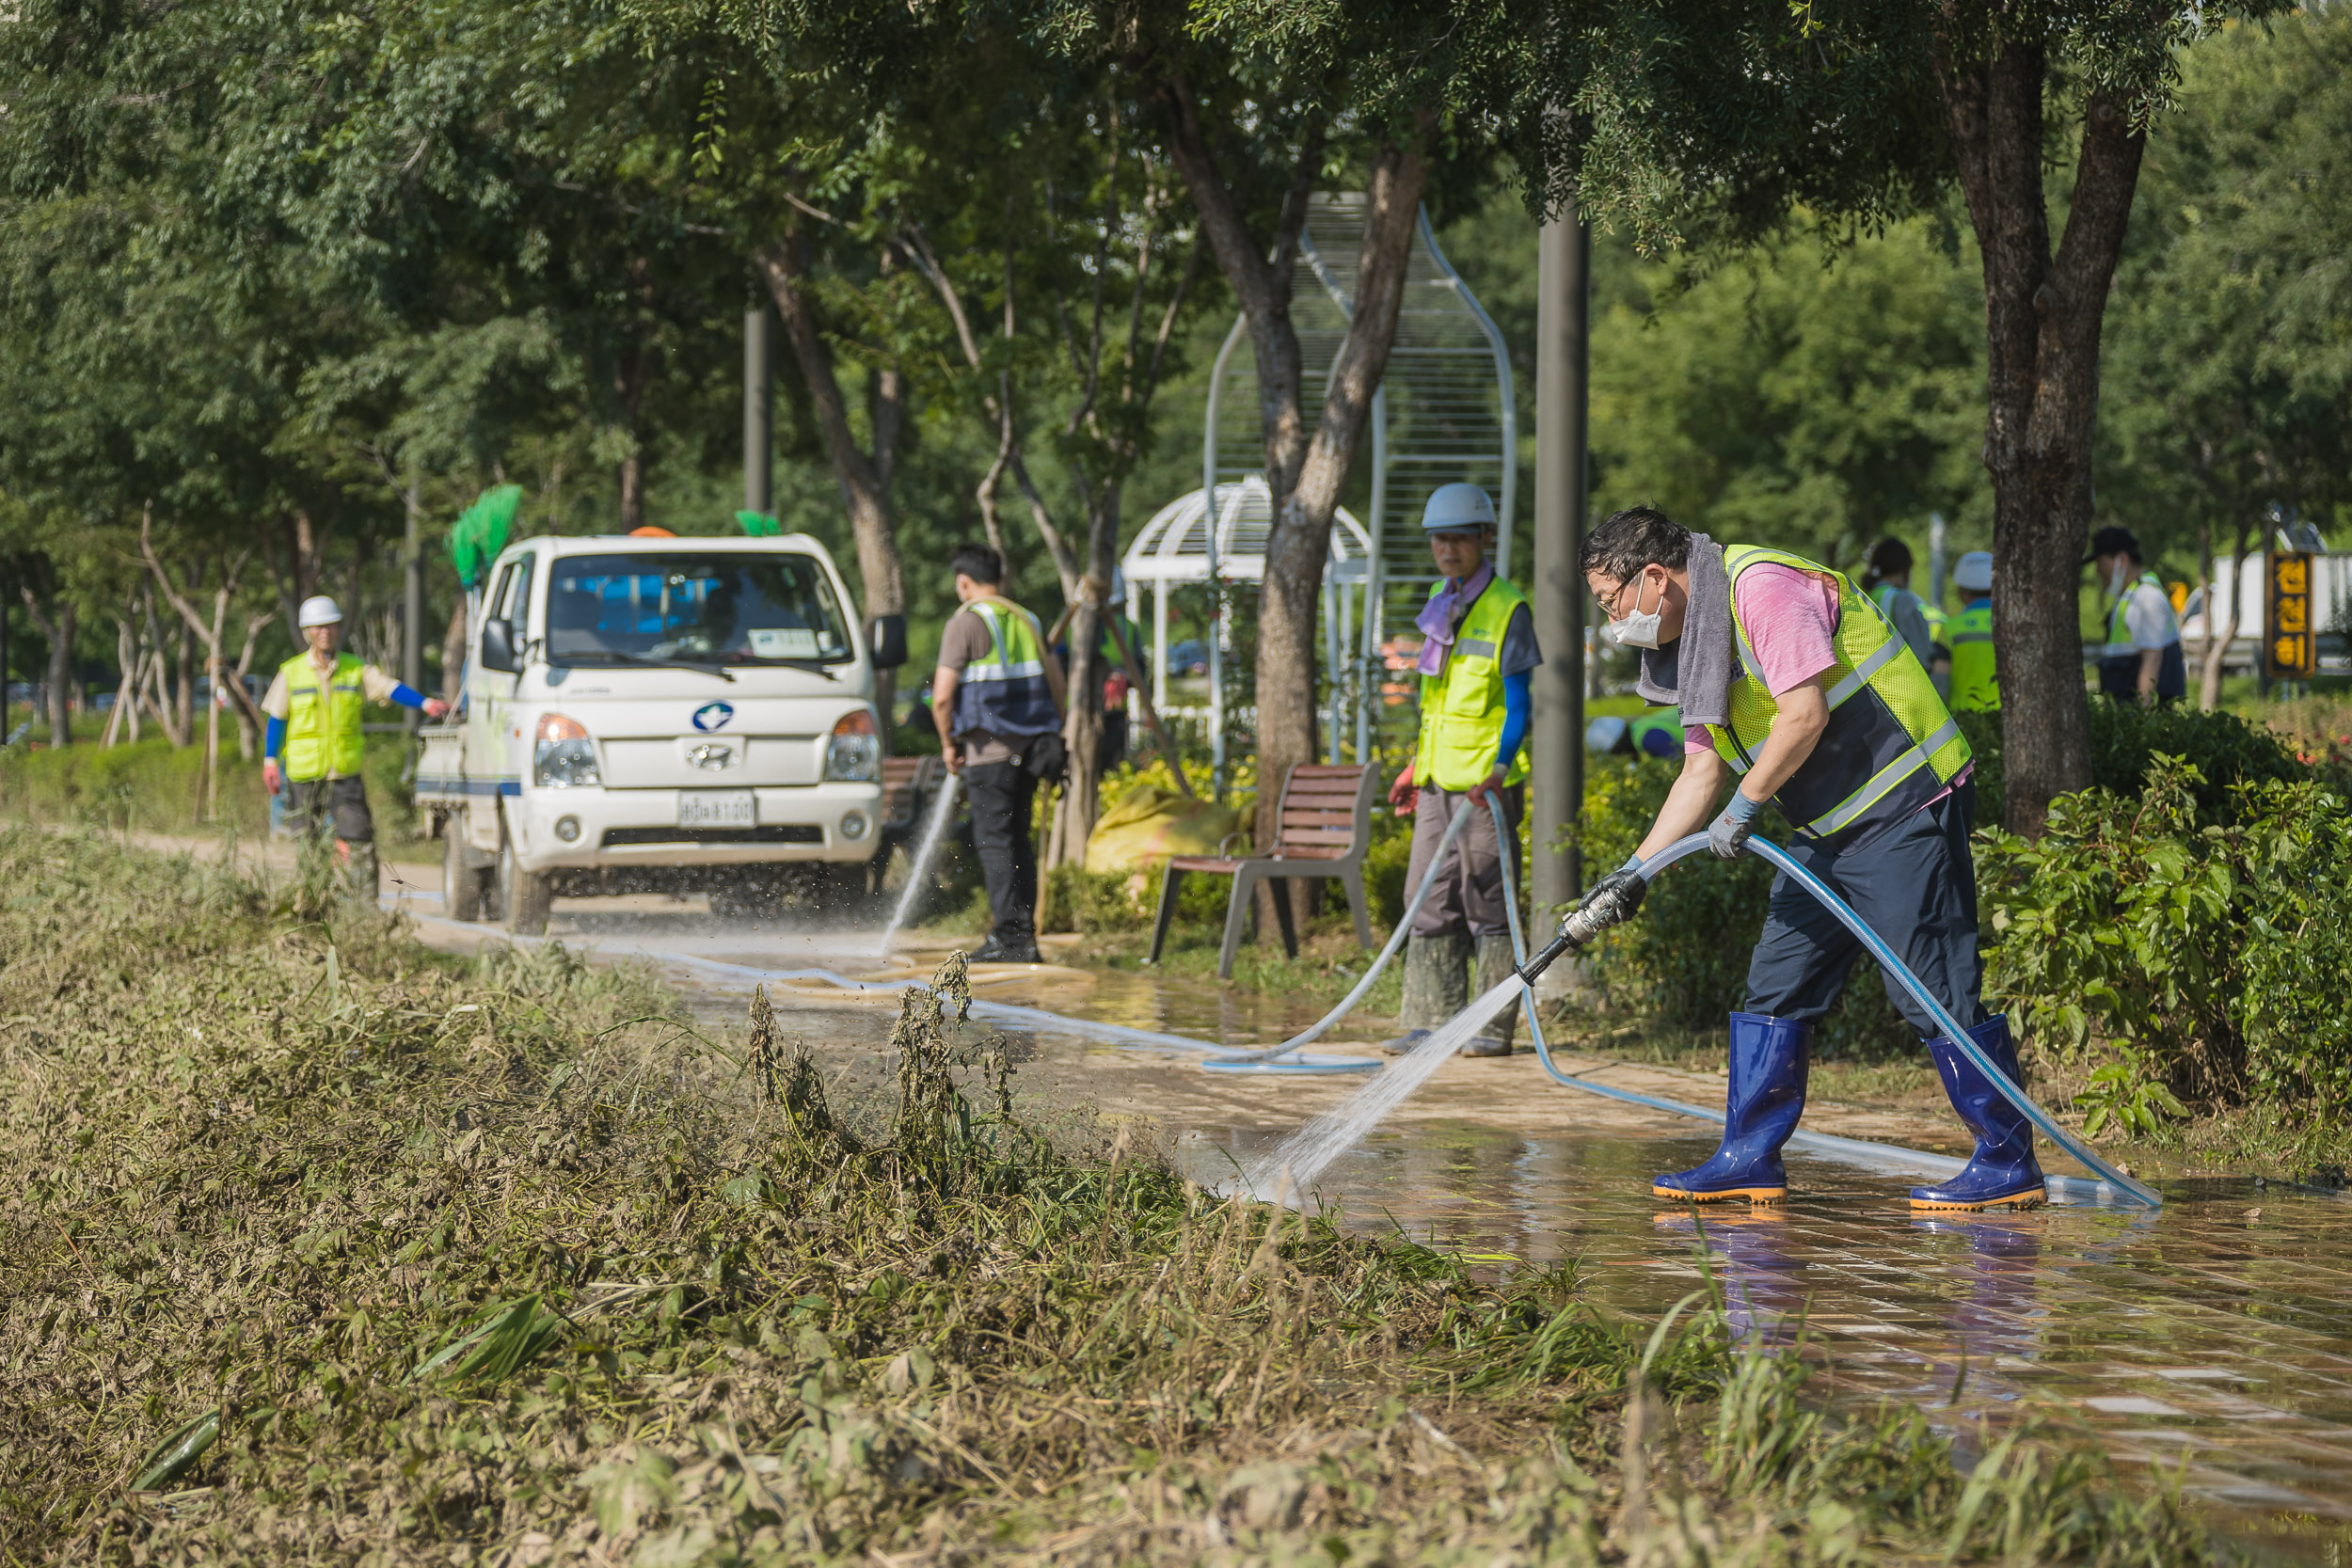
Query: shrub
[2143,938]
[153,787]
[2223,748]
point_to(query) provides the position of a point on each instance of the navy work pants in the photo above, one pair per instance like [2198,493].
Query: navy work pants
[2119,677]
[1002,794]
[1914,882]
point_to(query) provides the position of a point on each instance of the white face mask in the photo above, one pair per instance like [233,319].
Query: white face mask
[1640,628]
[2120,579]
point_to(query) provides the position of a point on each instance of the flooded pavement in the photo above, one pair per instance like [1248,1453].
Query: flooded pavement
[2206,1348]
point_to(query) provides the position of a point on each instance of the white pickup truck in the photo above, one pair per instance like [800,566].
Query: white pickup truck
[659,715]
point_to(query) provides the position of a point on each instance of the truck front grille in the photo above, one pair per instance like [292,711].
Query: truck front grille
[784,832]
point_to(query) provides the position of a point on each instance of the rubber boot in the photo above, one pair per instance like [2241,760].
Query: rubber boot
[2003,1169]
[363,879]
[1495,964]
[1766,1096]
[1436,976]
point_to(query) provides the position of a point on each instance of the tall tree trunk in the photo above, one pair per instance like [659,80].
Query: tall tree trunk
[1304,475]
[1082,732]
[2220,634]
[183,696]
[61,674]
[2043,316]
[453,655]
[865,479]
[629,373]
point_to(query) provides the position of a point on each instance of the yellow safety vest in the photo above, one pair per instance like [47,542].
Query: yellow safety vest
[1976,688]
[322,730]
[1890,745]
[1461,706]
[1005,691]
[2120,644]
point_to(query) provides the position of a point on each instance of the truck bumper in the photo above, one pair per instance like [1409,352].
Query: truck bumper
[592,828]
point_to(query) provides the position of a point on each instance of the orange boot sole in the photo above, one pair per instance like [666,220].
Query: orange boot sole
[2032,1197]
[1753,1195]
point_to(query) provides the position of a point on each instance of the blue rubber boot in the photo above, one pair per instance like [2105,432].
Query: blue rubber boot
[1760,1109]
[2003,1168]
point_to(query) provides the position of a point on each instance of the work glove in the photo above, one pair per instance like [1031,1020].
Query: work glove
[1611,902]
[1727,835]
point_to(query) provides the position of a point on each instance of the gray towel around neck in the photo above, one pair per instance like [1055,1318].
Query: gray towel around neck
[1694,672]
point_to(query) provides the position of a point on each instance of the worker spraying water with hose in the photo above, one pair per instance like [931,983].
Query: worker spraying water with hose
[1795,690]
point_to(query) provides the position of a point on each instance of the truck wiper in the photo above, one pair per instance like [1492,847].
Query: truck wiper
[641,662]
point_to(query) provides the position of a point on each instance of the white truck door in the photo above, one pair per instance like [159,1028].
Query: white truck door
[494,759]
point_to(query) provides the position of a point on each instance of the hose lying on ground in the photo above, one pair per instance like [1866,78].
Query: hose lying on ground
[2114,1184]
[2115,1187]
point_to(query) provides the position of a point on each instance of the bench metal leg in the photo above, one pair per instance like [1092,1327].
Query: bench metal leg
[1353,880]
[1237,913]
[1281,890]
[1170,879]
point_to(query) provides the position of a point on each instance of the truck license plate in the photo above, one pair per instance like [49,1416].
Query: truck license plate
[716,808]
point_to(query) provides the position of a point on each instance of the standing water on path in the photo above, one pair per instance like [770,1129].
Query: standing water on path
[1305,1153]
[919,869]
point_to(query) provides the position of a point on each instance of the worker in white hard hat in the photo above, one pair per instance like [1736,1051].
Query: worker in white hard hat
[1477,659]
[313,709]
[1976,682]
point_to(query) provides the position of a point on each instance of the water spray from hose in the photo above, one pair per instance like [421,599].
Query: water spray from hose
[919,868]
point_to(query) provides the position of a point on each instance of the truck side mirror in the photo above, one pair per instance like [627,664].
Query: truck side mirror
[498,647]
[886,636]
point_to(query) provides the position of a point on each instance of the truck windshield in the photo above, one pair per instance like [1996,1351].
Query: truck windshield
[677,605]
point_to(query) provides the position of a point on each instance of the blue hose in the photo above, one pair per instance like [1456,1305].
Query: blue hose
[1227,1059]
[1774,855]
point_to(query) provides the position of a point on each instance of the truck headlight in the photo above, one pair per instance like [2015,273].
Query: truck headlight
[853,755]
[565,758]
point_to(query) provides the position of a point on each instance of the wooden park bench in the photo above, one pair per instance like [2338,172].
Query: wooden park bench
[1325,826]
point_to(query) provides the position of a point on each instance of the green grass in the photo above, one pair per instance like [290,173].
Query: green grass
[350,1253]
[153,788]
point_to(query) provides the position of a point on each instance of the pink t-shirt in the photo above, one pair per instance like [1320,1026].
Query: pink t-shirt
[1792,626]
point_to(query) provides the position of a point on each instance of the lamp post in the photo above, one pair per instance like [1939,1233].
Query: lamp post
[1557,756]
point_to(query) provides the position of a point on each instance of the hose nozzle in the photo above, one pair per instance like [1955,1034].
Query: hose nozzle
[1577,930]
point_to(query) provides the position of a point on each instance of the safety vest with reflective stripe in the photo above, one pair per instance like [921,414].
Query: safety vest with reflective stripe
[322,734]
[1461,706]
[1890,746]
[2119,644]
[1975,687]
[1004,691]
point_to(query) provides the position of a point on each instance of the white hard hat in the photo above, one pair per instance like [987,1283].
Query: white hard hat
[1974,573]
[319,611]
[1456,507]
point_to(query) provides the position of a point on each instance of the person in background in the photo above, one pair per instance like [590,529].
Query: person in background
[998,699]
[1887,581]
[2142,662]
[313,709]
[1794,696]
[1976,678]
[1477,659]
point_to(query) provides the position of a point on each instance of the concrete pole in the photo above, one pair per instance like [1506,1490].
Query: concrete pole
[758,413]
[1556,757]
[412,599]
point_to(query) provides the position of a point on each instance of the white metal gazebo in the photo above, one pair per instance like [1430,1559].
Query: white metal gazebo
[1445,411]
[1178,547]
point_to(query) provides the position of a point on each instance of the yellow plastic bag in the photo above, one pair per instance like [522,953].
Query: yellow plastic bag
[1149,824]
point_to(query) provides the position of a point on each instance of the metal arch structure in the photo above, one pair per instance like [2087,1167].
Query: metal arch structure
[1446,410]
[1179,545]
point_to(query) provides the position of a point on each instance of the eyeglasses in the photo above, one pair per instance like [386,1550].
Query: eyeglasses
[1609,602]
